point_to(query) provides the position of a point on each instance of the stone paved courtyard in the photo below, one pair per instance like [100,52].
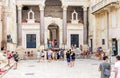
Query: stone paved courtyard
[84,68]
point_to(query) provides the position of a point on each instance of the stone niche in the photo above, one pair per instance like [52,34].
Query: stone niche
[31,17]
[74,18]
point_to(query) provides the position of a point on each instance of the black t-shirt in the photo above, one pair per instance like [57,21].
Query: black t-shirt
[73,55]
[15,56]
[67,54]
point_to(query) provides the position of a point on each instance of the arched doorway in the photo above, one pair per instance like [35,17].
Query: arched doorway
[53,31]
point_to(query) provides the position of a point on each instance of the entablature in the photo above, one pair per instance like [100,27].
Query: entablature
[75,2]
[30,2]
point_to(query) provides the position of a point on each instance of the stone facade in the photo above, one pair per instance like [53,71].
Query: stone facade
[25,17]
[104,29]
[95,22]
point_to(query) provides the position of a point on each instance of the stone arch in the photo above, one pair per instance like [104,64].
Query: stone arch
[56,21]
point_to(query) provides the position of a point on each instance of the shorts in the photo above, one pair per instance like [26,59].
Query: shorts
[68,59]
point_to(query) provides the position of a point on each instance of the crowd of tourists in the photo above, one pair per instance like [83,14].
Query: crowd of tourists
[12,58]
[68,55]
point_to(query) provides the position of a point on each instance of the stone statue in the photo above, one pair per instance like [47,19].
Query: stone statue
[9,39]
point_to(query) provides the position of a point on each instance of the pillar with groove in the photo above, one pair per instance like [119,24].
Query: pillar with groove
[41,24]
[19,27]
[64,25]
[85,26]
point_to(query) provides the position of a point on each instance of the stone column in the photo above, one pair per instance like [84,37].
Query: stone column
[64,25]
[4,28]
[0,23]
[85,26]
[41,24]
[19,28]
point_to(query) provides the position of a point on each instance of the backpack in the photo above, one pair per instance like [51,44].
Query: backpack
[106,71]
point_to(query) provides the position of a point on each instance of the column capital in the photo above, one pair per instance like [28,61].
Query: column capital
[20,7]
[84,8]
[41,7]
[65,7]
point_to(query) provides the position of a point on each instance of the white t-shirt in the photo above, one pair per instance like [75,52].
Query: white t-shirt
[117,65]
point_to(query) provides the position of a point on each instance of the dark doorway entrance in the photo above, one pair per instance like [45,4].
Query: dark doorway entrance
[114,46]
[31,40]
[91,44]
[75,40]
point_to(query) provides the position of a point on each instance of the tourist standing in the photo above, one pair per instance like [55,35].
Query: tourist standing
[117,67]
[68,57]
[24,56]
[16,58]
[61,54]
[9,57]
[50,45]
[105,68]
[49,55]
[72,56]
[38,55]
[42,55]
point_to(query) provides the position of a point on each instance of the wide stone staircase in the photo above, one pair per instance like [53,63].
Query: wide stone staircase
[4,65]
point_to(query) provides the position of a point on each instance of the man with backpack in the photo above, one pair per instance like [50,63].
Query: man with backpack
[105,68]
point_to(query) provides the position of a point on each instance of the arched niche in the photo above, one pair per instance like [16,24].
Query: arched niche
[31,17]
[74,17]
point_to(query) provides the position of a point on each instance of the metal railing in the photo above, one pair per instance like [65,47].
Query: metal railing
[102,4]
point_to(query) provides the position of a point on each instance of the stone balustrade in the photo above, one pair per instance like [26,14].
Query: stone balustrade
[102,4]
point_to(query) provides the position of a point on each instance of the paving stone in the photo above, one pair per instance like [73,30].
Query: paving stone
[86,68]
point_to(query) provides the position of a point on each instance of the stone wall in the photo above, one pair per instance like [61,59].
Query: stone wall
[26,9]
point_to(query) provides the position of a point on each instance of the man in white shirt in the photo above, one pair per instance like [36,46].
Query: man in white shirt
[117,67]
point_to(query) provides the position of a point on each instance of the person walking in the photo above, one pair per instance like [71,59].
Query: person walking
[117,67]
[105,68]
